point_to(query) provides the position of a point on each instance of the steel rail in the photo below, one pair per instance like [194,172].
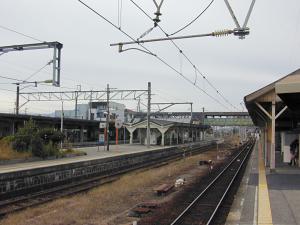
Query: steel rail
[229,186]
[28,200]
[209,186]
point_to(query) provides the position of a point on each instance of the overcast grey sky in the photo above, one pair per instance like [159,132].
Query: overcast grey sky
[236,67]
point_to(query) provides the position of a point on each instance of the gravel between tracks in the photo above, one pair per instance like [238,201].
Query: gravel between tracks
[109,204]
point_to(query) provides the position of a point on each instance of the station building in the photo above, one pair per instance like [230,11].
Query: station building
[275,110]
[95,111]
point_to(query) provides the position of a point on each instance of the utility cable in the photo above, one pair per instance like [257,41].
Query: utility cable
[186,57]
[151,53]
[36,72]
[17,32]
[46,72]
[9,78]
[39,70]
[194,20]
[111,23]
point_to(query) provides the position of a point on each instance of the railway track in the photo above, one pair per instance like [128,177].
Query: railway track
[203,209]
[32,199]
[207,200]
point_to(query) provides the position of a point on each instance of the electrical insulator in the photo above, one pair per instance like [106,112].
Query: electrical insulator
[222,33]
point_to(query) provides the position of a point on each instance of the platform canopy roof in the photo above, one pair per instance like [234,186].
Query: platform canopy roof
[285,94]
[164,123]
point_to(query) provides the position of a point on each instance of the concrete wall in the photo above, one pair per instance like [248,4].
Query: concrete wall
[29,181]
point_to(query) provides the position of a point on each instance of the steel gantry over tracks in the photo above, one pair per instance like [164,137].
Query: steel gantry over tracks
[36,46]
[101,95]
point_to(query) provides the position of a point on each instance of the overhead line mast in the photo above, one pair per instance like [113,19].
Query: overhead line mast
[56,61]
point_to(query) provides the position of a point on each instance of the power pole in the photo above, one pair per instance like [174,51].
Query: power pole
[107,119]
[138,108]
[191,112]
[90,108]
[18,99]
[148,114]
[62,122]
[76,100]
[76,104]
[203,117]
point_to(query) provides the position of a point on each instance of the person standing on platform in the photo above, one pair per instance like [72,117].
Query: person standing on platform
[294,150]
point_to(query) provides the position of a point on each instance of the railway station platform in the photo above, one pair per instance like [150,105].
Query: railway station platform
[267,198]
[92,154]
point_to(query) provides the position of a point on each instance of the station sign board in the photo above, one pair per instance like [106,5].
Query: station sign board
[118,123]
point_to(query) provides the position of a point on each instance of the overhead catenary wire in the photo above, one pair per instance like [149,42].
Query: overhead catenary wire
[39,70]
[10,78]
[186,57]
[194,20]
[22,34]
[46,72]
[108,21]
[151,53]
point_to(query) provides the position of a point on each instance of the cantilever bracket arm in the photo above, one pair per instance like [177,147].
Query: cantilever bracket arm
[232,14]
[234,17]
[220,33]
[244,30]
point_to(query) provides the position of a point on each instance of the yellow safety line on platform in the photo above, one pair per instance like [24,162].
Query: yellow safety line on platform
[264,208]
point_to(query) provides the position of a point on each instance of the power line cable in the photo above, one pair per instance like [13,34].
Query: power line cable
[39,70]
[46,72]
[186,57]
[151,53]
[111,23]
[194,20]
[22,34]
[9,78]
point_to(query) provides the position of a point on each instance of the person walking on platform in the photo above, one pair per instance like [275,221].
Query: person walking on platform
[294,150]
